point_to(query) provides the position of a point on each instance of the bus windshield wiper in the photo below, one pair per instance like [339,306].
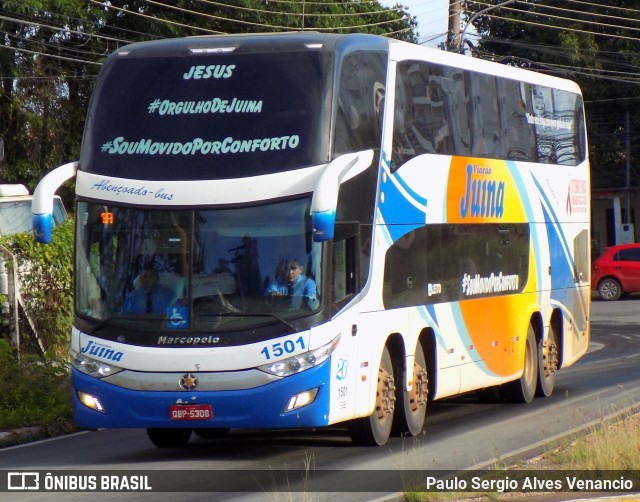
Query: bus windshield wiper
[241,314]
[111,321]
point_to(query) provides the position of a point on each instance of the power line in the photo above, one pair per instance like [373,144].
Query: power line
[564,28]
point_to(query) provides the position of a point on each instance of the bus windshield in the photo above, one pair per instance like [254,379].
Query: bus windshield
[217,116]
[210,270]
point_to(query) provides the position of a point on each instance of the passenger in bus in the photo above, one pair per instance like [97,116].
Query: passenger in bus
[151,297]
[293,283]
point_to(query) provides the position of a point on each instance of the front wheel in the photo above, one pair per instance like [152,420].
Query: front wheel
[375,429]
[412,405]
[609,289]
[523,390]
[169,438]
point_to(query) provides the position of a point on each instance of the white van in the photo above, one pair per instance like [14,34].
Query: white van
[15,210]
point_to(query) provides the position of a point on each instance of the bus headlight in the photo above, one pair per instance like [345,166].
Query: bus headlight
[92,367]
[301,362]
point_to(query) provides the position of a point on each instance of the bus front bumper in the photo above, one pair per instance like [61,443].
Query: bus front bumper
[98,404]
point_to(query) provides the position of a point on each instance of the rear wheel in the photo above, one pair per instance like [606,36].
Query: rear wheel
[412,405]
[169,438]
[375,429]
[547,365]
[609,289]
[523,390]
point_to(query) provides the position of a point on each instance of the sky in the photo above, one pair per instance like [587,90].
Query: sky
[432,18]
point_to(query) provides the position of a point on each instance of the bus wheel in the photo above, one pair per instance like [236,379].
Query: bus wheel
[412,405]
[169,438]
[375,429]
[547,366]
[523,390]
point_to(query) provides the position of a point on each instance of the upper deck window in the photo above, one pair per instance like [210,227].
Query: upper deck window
[208,116]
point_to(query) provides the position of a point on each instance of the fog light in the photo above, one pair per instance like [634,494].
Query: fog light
[302,399]
[91,401]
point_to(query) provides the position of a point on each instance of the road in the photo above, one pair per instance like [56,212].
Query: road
[461,433]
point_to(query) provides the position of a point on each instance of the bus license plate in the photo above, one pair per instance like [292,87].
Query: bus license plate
[190,412]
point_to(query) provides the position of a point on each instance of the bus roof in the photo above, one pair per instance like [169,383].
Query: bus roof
[403,50]
[254,42]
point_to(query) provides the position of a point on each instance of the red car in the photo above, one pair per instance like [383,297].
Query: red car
[616,272]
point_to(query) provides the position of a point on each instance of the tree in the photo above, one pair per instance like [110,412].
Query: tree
[595,45]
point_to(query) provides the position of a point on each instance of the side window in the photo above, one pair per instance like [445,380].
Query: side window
[445,110]
[344,263]
[440,91]
[420,124]
[360,102]
[628,255]
[406,269]
[430,112]
[568,121]
[457,110]
[452,262]
[485,116]
[543,119]
[519,142]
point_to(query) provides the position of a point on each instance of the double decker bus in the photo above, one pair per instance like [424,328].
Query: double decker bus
[340,229]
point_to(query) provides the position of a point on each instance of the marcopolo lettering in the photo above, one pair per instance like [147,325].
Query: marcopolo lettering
[188,340]
[102,351]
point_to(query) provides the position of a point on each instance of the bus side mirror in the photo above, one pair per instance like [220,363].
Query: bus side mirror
[42,202]
[1,149]
[325,196]
[323,224]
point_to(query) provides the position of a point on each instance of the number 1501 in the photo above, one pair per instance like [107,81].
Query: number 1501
[279,348]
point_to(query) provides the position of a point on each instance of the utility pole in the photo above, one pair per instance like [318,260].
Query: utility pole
[455,38]
[453,32]
[627,172]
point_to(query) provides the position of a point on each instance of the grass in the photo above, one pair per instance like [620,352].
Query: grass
[611,446]
[35,395]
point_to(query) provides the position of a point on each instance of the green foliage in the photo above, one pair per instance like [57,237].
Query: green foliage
[46,283]
[34,391]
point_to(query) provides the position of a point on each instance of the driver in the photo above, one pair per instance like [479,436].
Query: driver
[296,285]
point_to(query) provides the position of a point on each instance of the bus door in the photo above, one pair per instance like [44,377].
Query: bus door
[344,285]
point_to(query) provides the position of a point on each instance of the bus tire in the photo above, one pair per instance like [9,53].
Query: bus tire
[169,438]
[523,390]
[547,365]
[375,429]
[412,405]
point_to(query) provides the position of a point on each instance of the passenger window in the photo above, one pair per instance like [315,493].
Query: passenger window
[518,134]
[485,114]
